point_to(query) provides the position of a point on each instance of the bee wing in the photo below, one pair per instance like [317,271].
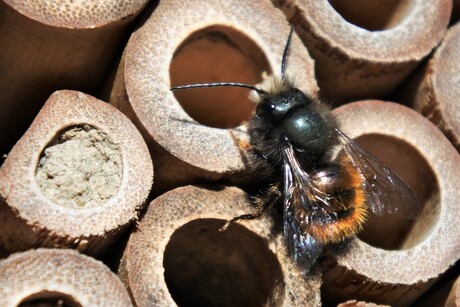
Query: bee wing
[385,191]
[303,249]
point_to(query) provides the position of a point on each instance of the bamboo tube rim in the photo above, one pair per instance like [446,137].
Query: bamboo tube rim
[65,109]
[82,14]
[406,266]
[147,79]
[400,43]
[444,78]
[143,268]
[47,273]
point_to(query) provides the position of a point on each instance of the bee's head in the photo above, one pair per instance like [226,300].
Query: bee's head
[294,117]
[276,105]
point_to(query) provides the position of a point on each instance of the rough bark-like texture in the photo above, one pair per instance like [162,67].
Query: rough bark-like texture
[364,49]
[51,45]
[91,214]
[57,277]
[354,303]
[179,256]
[211,41]
[395,260]
[454,297]
[434,91]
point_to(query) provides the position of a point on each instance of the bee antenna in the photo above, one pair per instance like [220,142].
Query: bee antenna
[219,84]
[285,53]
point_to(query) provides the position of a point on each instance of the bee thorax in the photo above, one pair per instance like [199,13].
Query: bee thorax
[308,131]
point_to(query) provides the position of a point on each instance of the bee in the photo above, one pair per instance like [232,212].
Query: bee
[325,200]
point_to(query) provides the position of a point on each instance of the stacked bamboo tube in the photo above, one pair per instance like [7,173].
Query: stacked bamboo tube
[77,178]
[49,45]
[434,90]
[193,262]
[454,295]
[393,261]
[187,148]
[175,253]
[365,49]
[56,277]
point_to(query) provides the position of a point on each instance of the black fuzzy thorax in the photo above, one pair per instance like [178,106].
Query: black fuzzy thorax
[270,130]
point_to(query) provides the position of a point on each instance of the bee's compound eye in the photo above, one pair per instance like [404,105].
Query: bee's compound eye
[274,108]
[268,106]
[284,139]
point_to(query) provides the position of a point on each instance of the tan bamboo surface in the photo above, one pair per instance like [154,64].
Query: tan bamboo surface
[58,277]
[51,45]
[193,137]
[76,178]
[444,292]
[179,256]
[453,299]
[211,41]
[354,303]
[364,49]
[435,89]
[394,260]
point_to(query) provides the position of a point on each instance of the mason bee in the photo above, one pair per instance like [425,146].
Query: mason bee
[291,137]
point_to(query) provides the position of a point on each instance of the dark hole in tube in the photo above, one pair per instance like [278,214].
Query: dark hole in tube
[392,232]
[207,267]
[375,15]
[49,299]
[217,54]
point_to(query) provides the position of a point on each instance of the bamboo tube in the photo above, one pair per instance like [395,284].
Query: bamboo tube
[211,41]
[51,45]
[454,297]
[354,303]
[434,90]
[57,277]
[76,178]
[442,293]
[364,49]
[179,256]
[394,262]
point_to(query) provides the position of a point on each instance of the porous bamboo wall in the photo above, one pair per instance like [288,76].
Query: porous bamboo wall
[110,163]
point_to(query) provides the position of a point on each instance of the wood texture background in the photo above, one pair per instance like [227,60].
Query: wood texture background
[401,56]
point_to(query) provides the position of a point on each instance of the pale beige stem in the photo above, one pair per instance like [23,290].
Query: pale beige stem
[58,277]
[394,260]
[178,255]
[78,176]
[364,49]
[454,297]
[211,41]
[435,90]
[355,303]
[51,45]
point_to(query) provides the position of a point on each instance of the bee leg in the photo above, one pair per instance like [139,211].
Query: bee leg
[242,144]
[248,153]
[269,199]
[245,146]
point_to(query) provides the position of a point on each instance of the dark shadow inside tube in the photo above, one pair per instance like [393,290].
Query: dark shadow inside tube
[207,267]
[390,231]
[49,299]
[375,15]
[217,54]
